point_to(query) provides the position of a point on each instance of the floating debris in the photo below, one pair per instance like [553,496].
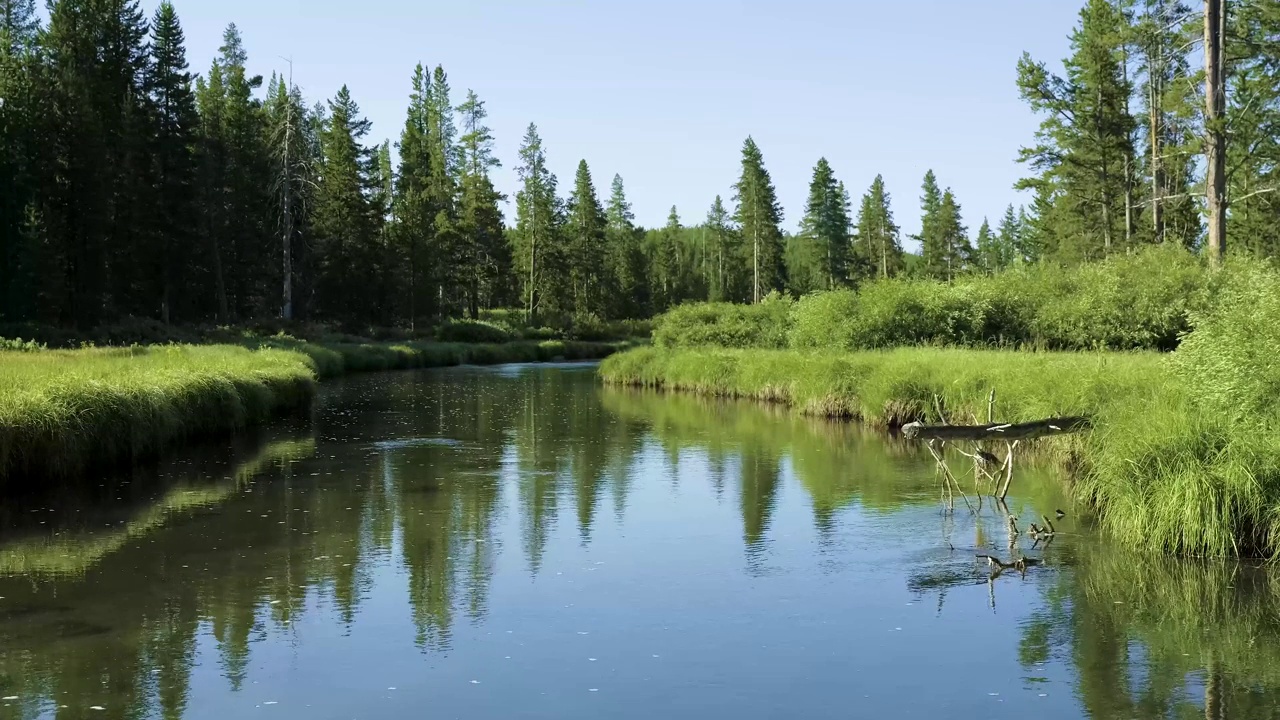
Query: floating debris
[475,682]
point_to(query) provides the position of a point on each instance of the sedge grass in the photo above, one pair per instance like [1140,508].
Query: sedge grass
[1158,473]
[63,412]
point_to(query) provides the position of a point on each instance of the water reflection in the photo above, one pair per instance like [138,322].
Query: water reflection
[453,496]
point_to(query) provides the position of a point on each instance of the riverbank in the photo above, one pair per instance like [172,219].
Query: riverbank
[1159,474]
[64,412]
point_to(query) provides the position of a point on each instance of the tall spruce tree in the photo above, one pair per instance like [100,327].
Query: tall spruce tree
[626,260]
[826,226]
[668,266]
[21,164]
[345,220]
[538,251]
[293,171]
[487,266]
[414,201]
[988,254]
[1009,238]
[949,252]
[932,242]
[725,258]
[584,231]
[442,192]
[877,241]
[174,158]
[758,216]
[1085,142]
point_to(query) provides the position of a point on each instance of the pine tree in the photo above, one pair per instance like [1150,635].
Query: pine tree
[931,237]
[1009,238]
[626,260]
[826,226]
[950,252]
[1167,95]
[442,194]
[294,166]
[1253,121]
[538,251]
[174,158]
[724,250]
[1085,142]
[345,219]
[877,241]
[758,216]
[488,266]
[20,158]
[988,253]
[585,235]
[415,206]
[668,268]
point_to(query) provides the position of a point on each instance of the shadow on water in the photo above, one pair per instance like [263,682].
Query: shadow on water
[454,483]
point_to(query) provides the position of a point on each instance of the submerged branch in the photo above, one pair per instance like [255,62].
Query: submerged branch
[1004,431]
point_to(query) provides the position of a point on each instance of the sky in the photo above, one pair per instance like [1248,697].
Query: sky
[665,92]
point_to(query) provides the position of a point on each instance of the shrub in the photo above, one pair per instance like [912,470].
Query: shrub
[472,331]
[726,324]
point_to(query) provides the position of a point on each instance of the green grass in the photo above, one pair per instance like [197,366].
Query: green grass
[1159,473]
[63,412]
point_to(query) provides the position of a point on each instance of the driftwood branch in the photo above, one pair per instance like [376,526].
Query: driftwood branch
[1002,431]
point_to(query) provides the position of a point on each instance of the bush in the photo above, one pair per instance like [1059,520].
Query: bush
[472,331]
[725,324]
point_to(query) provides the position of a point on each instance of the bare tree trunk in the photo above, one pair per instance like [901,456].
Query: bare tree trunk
[1215,103]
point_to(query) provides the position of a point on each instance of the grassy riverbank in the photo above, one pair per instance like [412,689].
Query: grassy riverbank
[1160,474]
[63,412]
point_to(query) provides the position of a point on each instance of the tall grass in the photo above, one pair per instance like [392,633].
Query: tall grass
[1161,470]
[65,411]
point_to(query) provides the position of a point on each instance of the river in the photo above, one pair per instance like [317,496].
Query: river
[518,541]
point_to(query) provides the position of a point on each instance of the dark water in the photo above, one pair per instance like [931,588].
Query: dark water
[518,542]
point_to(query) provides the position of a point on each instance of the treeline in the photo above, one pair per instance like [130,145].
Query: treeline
[134,188]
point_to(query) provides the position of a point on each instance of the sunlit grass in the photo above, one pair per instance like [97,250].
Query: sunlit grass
[1160,474]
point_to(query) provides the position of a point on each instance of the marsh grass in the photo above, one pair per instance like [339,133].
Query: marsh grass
[63,412]
[1159,471]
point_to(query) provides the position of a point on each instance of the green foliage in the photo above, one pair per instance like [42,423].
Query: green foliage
[877,244]
[1138,301]
[763,325]
[758,217]
[825,227]
[472,331]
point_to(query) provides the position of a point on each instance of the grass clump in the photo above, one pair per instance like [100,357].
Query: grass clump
[63,411]
[1161,468]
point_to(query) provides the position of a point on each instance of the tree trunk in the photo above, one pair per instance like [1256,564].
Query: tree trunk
[1215,102]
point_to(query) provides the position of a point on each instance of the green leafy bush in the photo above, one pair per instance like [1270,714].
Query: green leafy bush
[725,324]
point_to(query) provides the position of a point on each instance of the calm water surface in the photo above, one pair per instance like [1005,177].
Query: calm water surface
[519,542]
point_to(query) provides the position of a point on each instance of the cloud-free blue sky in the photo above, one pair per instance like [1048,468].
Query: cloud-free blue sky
[663,92]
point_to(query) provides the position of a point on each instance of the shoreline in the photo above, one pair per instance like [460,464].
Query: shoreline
[65,413]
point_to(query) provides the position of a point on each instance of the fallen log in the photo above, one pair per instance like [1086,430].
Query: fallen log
[996,431]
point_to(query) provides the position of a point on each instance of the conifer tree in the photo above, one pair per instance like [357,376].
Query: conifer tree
[538,253]
[174,159]
[293,172]
[988,254]
[1085,141]
[949,251]
[487,269]
[724,249]
[442,194]
[877,241]
[345,219]
[626,260]
[668,266]
[1009,237]
[585,237]
[20,158]
[415,206]
[826,226]
[758,216]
